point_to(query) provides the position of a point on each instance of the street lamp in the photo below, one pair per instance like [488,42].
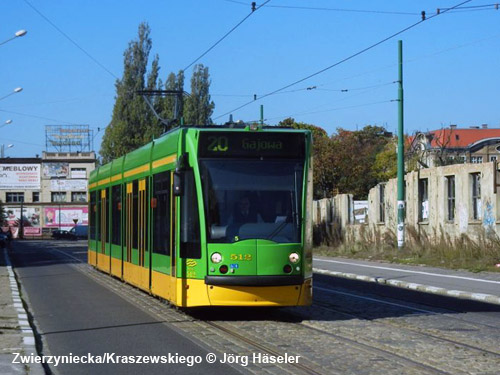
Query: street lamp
[16,90]
[2,150]
[16,35]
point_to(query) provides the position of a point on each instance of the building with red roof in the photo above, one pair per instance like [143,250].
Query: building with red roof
[453,145]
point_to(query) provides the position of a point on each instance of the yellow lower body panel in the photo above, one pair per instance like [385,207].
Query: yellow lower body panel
[103,262]
[289,295]
[136,275]
[92,257]
[116,267]
[194,292]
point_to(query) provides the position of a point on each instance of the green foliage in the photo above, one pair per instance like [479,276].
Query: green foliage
[129,127]
[198,107]
[349,161]
[133,123]
[386,163]
[353,158]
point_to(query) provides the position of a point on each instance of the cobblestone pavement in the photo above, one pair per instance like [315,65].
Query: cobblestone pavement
[340,334]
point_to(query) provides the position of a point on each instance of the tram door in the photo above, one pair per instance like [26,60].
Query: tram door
[128,229]
[173,249]
[104,229]
[143,235]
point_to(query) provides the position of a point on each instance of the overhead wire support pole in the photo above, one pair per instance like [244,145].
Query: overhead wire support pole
[401,166]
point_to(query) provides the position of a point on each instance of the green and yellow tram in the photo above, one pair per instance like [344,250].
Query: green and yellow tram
[209,216]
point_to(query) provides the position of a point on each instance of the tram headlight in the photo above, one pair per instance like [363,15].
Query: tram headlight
[294,257]
[216,258]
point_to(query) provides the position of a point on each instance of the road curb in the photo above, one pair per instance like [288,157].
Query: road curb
[28,335]
[480,297]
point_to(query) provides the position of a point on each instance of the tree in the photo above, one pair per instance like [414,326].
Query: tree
[353,158]
[385,166]
[130,125]
[198,107]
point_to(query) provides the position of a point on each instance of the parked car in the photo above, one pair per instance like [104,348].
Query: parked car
[59,234]
[78,232]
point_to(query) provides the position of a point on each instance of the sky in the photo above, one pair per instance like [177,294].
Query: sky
[450,68]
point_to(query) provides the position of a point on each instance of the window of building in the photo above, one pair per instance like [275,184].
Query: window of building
[381,195]
[78,196]
[36,196]
[450,195]
[14,197]
[423,199]
[58,196]
[493,158]
[476,196]
[476,159]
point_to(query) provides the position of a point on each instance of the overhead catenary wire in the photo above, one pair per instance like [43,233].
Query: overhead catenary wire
[345,59]
[254,9]
[71,40]
[492,6]
[38,117]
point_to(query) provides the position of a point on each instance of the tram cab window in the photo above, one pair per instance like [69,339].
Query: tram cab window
[253,199]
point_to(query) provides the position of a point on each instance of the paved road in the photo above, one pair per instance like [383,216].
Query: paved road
[77,315]
[474,284]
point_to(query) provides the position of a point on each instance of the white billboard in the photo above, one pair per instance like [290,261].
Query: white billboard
[19,176]
[68,185]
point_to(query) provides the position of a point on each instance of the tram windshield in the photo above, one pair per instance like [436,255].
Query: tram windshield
[252,199]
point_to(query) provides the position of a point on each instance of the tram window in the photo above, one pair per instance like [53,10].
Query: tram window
[98,215]
[146,214]
[161,213]
[92,213]
[116,195]
[190,220]
[106,216]
[135,213]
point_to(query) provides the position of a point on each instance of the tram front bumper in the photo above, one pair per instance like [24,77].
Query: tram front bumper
[276,295]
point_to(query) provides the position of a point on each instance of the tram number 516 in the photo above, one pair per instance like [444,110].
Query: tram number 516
[218,144]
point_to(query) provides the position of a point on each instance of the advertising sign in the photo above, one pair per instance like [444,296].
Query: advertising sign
[65,216]
[31,216]
[78,173]
[55,170]
[32,231]
[68,185]
[31,220]
[19,176]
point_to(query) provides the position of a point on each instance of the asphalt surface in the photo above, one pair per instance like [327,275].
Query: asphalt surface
[77,315]
[484,282]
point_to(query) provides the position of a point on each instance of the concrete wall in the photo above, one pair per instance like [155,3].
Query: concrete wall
[433,220]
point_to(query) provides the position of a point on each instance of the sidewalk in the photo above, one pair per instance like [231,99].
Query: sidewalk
[482,287]
[16,335]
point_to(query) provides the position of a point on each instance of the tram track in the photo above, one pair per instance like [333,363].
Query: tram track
[250,341]
[420,331]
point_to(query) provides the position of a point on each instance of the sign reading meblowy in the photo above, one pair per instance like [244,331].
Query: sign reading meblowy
[19,176]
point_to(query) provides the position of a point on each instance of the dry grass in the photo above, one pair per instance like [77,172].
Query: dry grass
[475,255]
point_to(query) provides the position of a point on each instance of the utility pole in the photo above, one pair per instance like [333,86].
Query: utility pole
[261,115]
[401,165]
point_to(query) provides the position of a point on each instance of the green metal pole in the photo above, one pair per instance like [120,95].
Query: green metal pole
[401,166]
[261,115]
